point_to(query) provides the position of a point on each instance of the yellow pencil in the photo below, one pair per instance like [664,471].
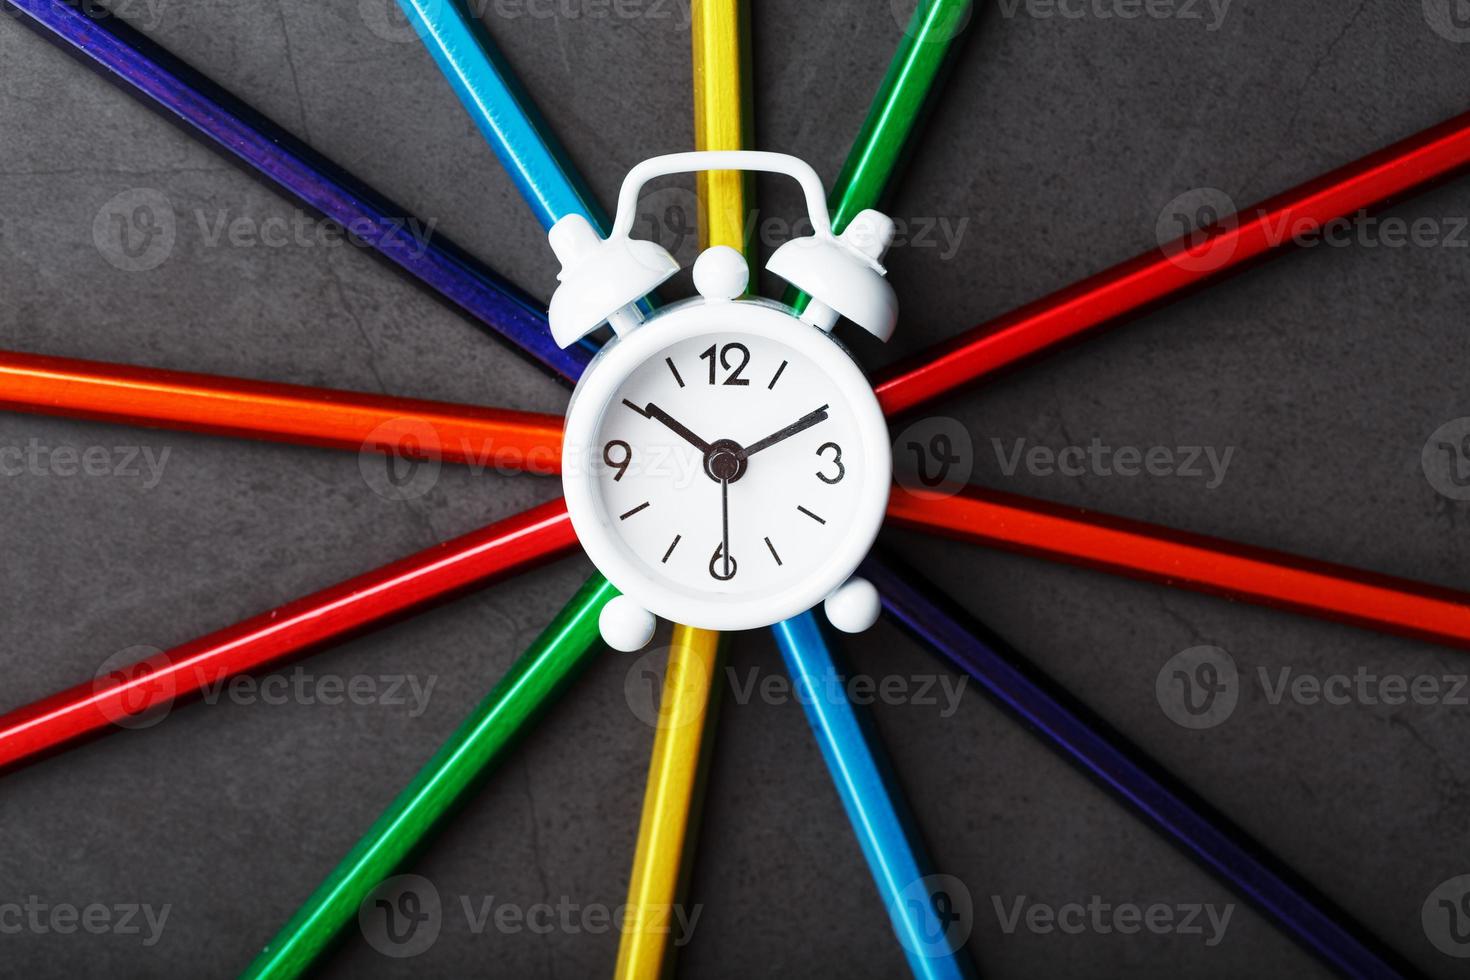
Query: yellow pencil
[686,720]
[721,119]
[666,833]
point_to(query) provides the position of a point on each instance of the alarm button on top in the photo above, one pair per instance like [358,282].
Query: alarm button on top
[720,274]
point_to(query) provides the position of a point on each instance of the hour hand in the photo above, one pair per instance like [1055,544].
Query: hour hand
[658,414]
[800,425]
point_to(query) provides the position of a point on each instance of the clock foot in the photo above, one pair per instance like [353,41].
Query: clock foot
[854,607]
[625,625]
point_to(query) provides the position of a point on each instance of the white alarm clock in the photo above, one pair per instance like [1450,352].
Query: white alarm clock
[726,464]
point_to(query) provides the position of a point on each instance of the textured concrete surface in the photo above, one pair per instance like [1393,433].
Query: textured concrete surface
[1057,149]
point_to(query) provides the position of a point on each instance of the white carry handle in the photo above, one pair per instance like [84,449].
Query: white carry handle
[701,160]
[602,280]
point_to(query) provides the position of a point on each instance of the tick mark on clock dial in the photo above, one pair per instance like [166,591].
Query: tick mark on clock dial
[804,511]
[635,510]
[674,544]
[773,551]
[670,362]
[777,376]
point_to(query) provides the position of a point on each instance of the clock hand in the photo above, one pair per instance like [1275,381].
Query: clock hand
[723,551]
[800,425]
[725,524]
[658,414]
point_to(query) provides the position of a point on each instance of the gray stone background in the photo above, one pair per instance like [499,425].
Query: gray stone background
[1060,144]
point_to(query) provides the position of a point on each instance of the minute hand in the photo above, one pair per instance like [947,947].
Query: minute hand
[800,425]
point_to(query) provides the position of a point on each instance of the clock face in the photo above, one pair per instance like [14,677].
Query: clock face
[726,461]
[729,438]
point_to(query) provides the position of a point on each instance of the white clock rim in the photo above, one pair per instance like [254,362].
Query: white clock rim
[674,325]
